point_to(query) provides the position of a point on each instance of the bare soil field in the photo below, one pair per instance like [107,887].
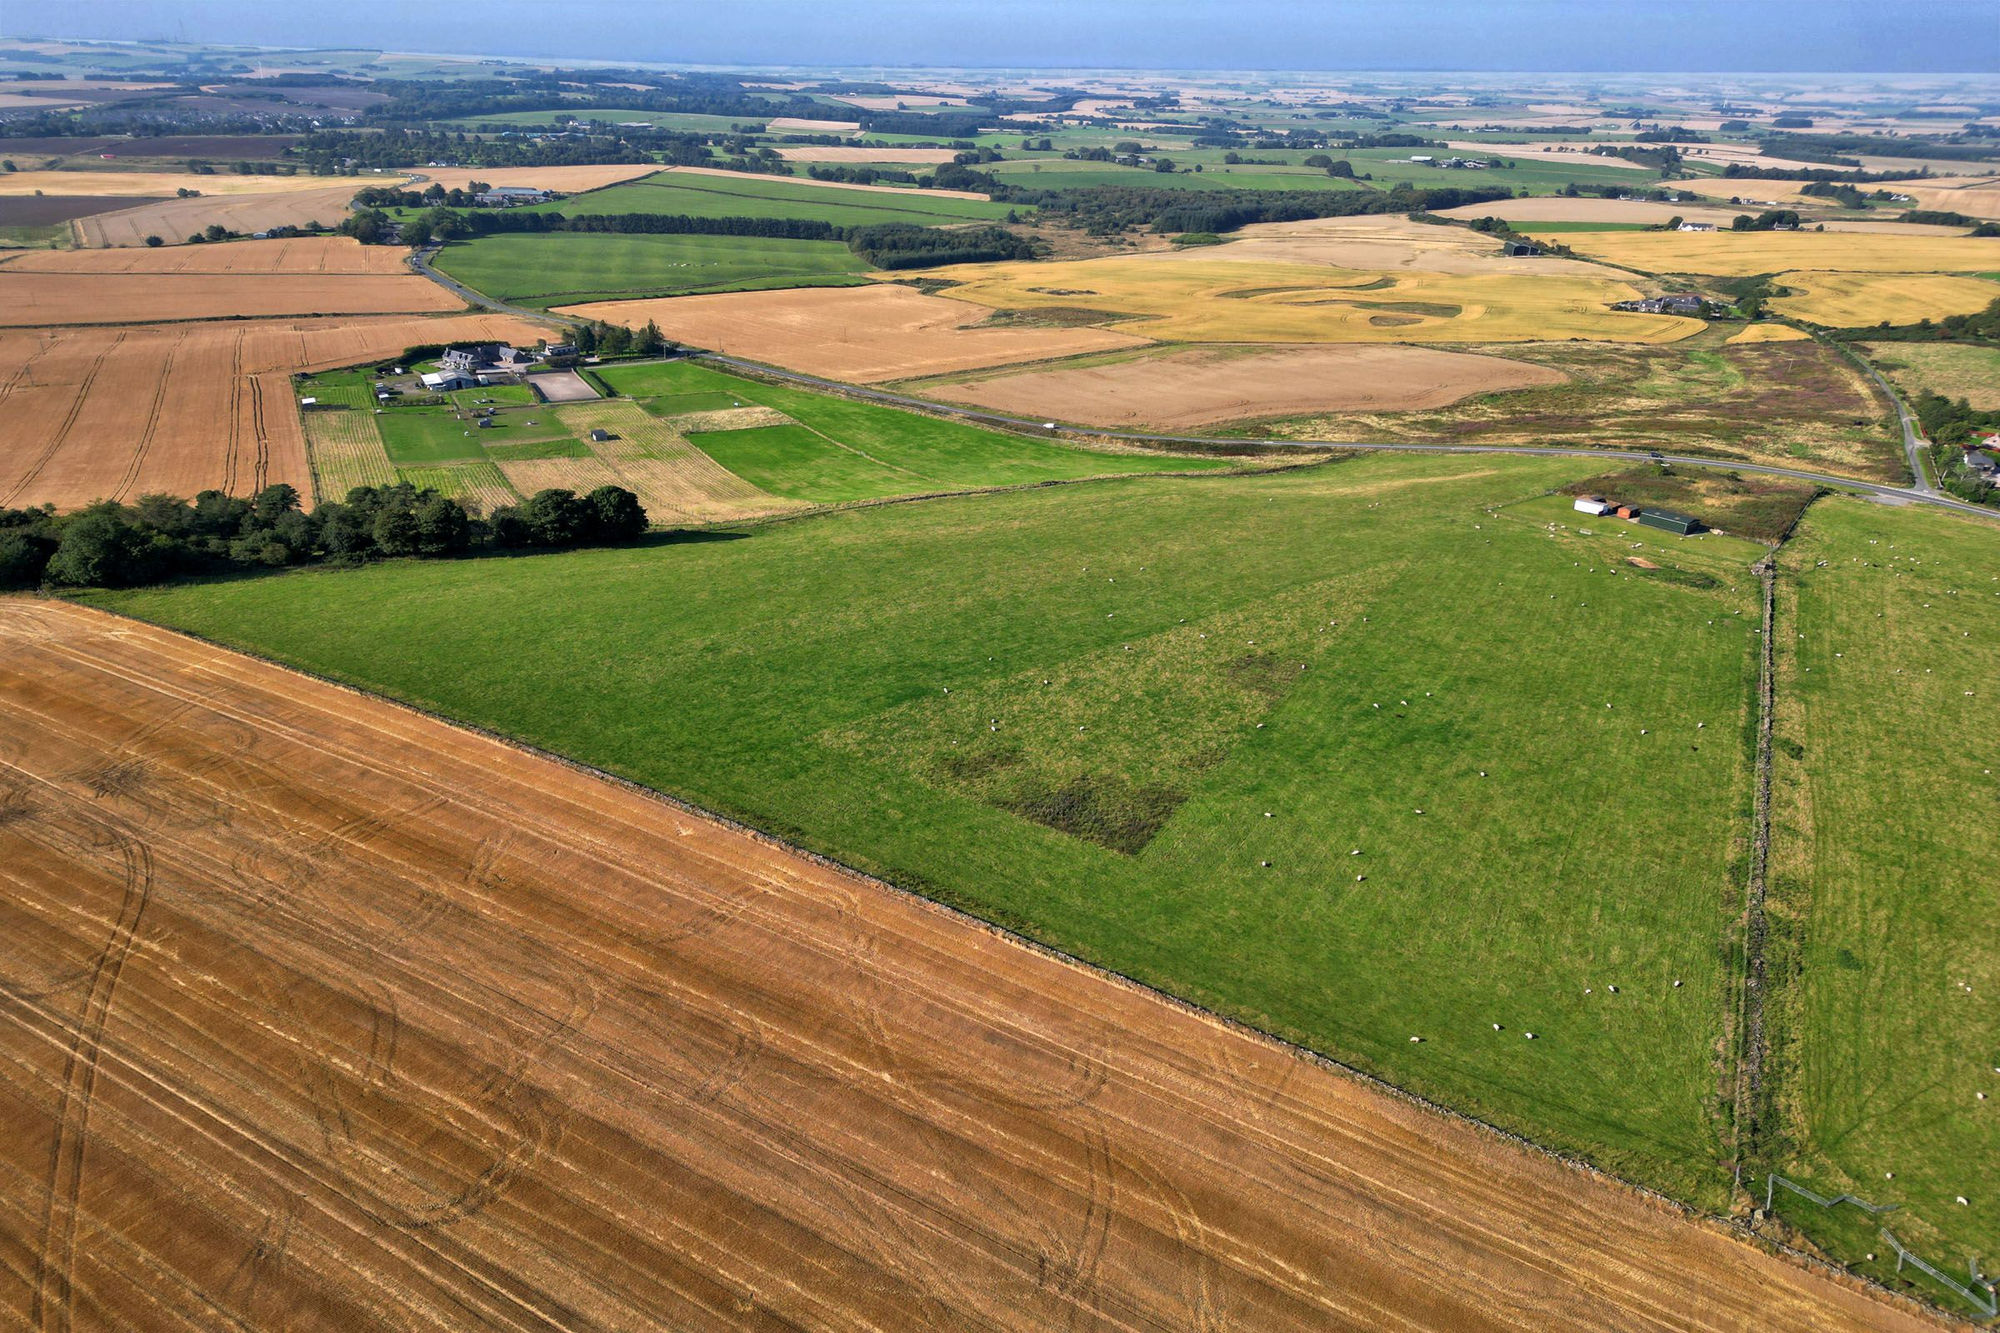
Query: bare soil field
[1193,387]
[322,1014]
[865,334]
[92,413]
[41,210]
[564,386]
[297,254]
[174,220]
[31,297]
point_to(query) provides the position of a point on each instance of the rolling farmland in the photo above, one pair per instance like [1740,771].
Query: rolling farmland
[1742,253]
[864,334]
[119,412]
[1119,810]
[1849,300]
[1189,299]
[722,194]
[564,268]
[42,299]
[1889,627]
[329,1015]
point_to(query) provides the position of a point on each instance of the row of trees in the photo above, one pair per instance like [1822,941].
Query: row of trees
[116,545]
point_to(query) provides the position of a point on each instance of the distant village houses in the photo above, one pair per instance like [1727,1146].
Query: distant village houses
[1679,303]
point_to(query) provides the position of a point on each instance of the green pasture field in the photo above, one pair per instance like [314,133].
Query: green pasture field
[1885,843]
[701,195]
[558,268]
[419,435]
[1078,175]
[1147,720]
[845,449]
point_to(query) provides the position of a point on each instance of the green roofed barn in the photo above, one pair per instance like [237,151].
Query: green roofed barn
[1669,521]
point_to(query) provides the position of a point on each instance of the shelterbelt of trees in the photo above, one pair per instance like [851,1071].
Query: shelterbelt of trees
[115,545]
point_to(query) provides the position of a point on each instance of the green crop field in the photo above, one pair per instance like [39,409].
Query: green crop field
[1378,750]
[1208,178]
[558,268]
[845,449]
[748,196]
[1883,856]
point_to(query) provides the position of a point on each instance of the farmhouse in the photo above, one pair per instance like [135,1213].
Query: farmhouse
[506,196]
[1680,303]
[1697,226]
[1981,463]
[1668,521]
[487,357]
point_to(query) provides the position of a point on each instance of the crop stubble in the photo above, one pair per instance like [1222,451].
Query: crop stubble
[95,413]
[323,1014]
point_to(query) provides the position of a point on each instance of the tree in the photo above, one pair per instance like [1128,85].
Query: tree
[615,515]
[102,548]
[1320,160]
[555,518]
[395,531]
[23,557]
[648,342]
[1163,164]
[1342,169]
[273,502]
[442,527]
[215,231]
[154,242]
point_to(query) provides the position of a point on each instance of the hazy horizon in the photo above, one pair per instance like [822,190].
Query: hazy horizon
[1785,37]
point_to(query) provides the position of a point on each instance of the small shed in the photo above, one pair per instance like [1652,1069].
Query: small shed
[1590,504]
[600,436]
[1666,520]
[1628,511]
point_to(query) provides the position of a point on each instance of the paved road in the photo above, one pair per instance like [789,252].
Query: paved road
[420,261]
[1913,442]
[1922,493]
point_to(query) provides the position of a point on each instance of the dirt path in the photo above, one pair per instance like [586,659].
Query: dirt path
[419,1030]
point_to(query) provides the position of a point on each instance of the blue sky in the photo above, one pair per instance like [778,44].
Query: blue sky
[1958,36]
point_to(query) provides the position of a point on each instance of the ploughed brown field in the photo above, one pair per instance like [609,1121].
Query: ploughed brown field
[97,413]
[1190,387]
[31,297]
[321,1014]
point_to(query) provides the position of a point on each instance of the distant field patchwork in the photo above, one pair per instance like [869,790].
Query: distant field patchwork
[563,268]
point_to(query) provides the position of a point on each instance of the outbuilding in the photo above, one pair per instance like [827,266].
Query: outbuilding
[600,436]
[1590,504]
[1627,511]
[1666,520]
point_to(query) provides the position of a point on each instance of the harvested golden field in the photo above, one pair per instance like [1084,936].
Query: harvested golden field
[1742,253]
[813,125]
[1848,300]
[568,180]
[323,1014]
[889,153]
[582,475]
[150,184]
[675,481]
[1586,208]
[1767,333]
[297,254]
[1380,244]
[1563,153]
[865,334]
[91,413]
[1186,388]
[1977,197]
[174,220]
[29,297]
[1955,370]
[1186,299]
